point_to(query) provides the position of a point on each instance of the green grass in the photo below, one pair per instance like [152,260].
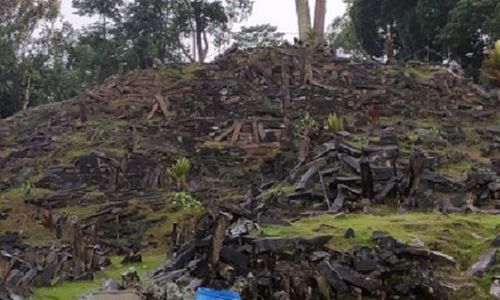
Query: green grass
[464,237]
[457,169]
[69,290]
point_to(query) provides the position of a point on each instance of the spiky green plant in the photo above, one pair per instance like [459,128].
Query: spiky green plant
[183,200]
[179,171]
[436,131]
[306,127]
[28,187]
[334,123]
[491,65]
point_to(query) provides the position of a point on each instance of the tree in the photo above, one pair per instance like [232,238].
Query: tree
[303,18]
[461,28]
[413,24]
[8,77]
[472,26]
[491,65]
[319,21]
[264,35]
[304,21]
[19,19]
[149,25]
[341,35]
[106,9]
[202,18]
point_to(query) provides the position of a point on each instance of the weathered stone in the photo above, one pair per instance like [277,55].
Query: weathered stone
[349,233]
[496,242]
[379,235]
[495,288]
[483,263]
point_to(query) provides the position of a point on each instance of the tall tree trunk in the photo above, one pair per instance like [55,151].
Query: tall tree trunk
[319,21]
[304,18]
[199,43]
[27,94]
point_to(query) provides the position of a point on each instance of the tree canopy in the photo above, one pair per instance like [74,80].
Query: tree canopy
[44,59]
[460,28]
[264,35]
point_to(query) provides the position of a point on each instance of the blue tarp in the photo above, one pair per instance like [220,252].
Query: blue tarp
[211,294]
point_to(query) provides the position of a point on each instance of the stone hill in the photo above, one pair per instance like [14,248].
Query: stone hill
[94,169]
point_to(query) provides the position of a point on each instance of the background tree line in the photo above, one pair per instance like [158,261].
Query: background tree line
[44,59]
[456,29]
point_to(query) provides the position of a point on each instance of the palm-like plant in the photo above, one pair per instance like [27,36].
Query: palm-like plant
[179,171]
[491,65]
[305,128]
[334,123]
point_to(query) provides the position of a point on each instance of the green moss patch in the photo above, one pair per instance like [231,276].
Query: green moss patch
[464,237]
[70,290]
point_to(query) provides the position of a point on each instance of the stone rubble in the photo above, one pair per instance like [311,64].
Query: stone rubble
[234,119]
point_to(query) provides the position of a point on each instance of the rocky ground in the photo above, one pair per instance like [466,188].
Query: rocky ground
[398,200]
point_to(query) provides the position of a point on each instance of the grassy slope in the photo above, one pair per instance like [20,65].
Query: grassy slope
[465,237]
[69,290]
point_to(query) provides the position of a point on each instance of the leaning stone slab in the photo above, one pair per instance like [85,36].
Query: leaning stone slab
[484,262]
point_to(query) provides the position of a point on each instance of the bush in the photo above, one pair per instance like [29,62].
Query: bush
[334,123]
[183,200]
[306,127]
[179,171]
[28,187]
[491,65]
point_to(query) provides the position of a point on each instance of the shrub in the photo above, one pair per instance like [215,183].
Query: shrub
[183,200]
[491,65]
[334,123]
[28,187]
[179,171]
[306,127]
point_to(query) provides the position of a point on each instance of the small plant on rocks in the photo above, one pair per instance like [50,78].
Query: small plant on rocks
[183,200]
[28,187]
[179,171]
[334,123]
[305,129]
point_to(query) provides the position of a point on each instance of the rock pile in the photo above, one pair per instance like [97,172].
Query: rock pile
[223,255]
[23,267]
[234,120]
[340,177]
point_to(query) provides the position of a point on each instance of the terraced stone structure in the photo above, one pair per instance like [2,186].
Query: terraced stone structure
[414,137]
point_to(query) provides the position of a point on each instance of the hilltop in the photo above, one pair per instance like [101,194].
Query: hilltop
[96,167]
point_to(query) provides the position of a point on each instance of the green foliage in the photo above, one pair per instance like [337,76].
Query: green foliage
[105,8]
[461,230]
[436,131]
[459,27]
[28,187]
[264,35]
[58,63]
[183,200]
[179,171]
[73,289]
[491,65]
[471,27]
[341,35]
[334,123]
[306,127]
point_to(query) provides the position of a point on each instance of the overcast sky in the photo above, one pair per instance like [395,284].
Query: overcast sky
[280,13]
